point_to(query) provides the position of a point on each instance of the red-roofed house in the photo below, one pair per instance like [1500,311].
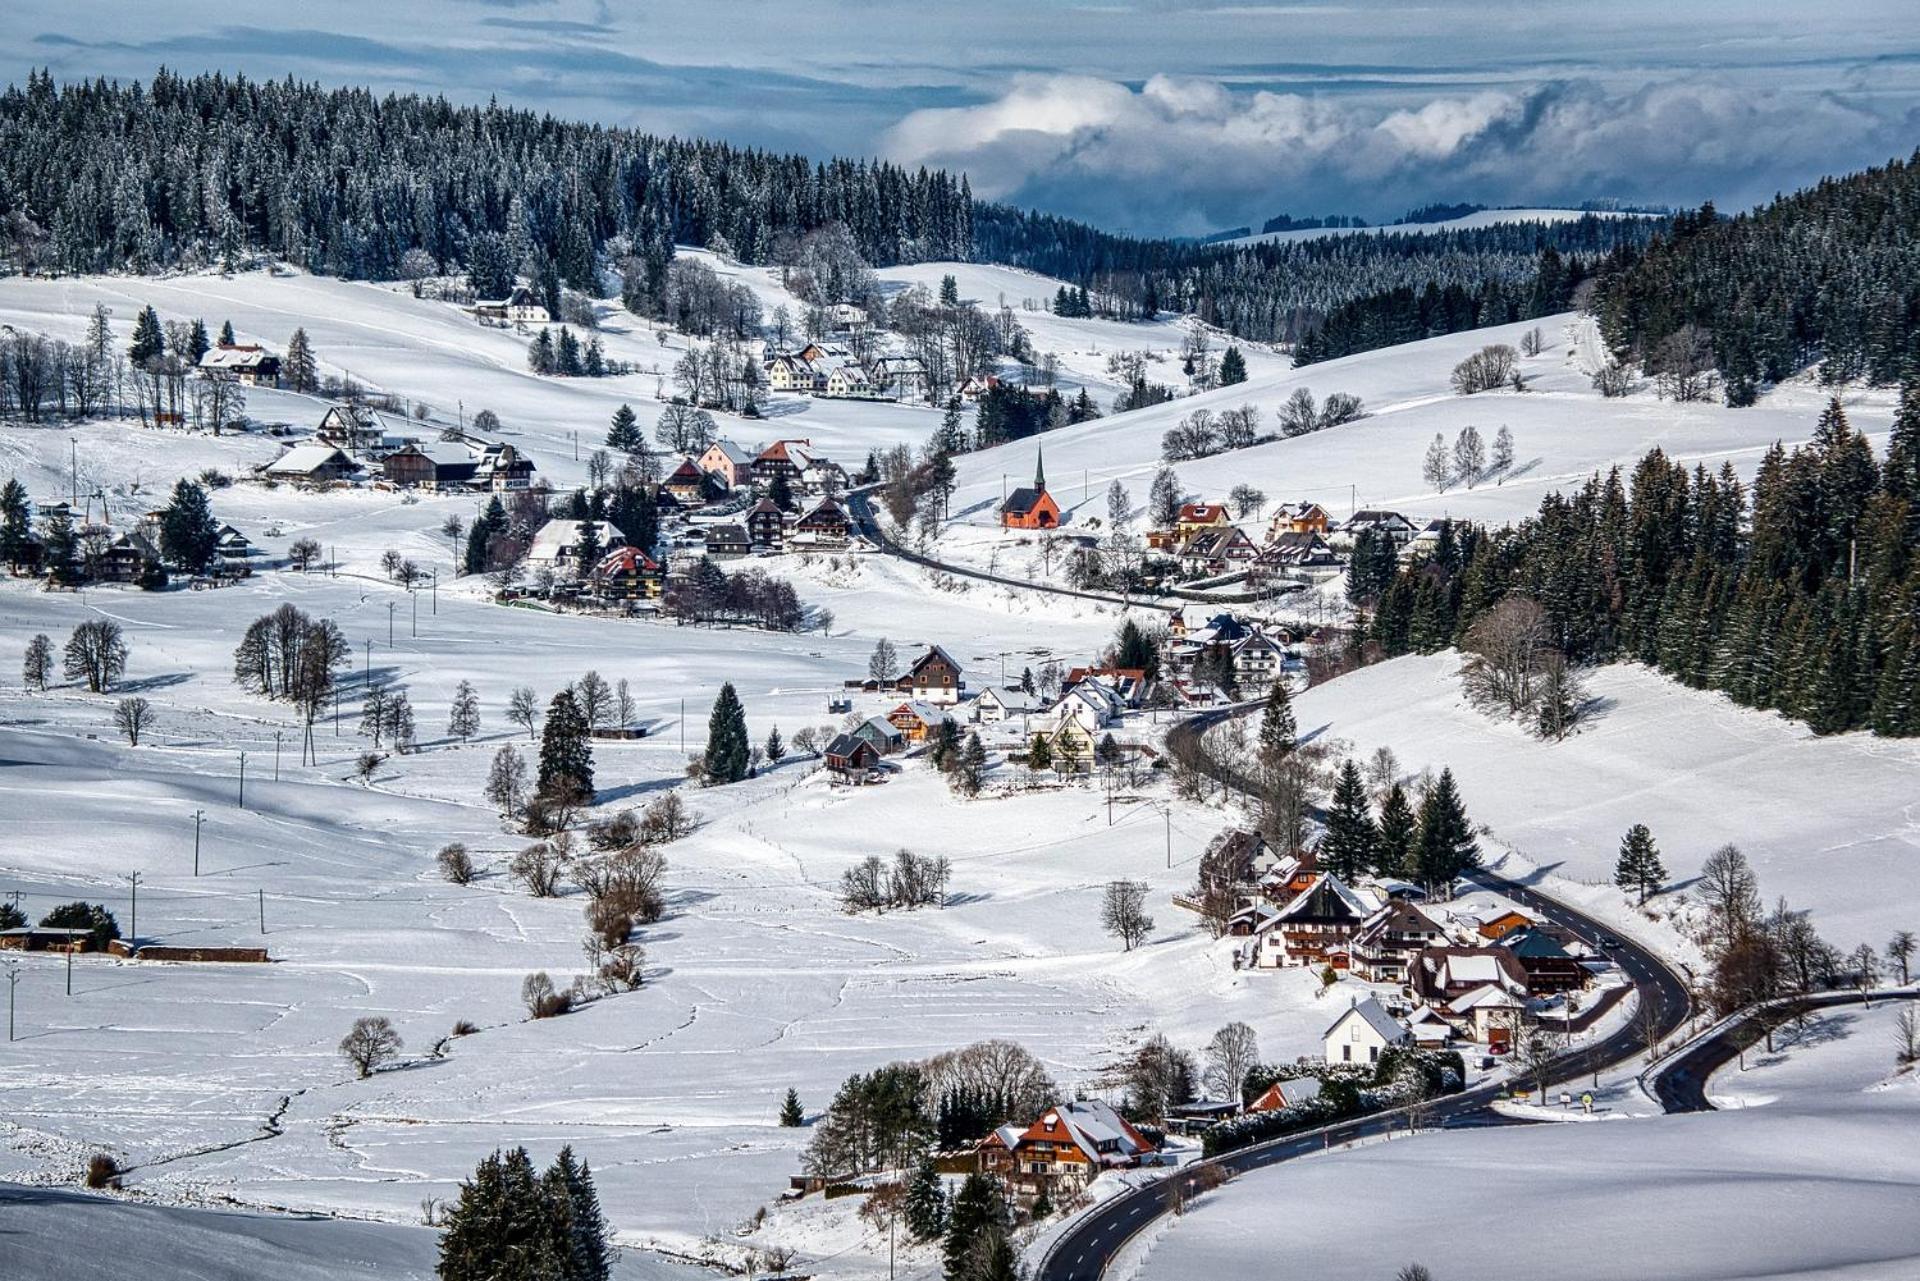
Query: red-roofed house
[1073,1143]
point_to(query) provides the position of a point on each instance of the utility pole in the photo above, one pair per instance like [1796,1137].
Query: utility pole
[263,911]
[13,981]
[197,815]
[73,448]
[683,727]
[1168,815]
[276,756]
[415,593]
[243,780]
[436,591]
[369,664]
[134,927]
[390,607]
[69,966]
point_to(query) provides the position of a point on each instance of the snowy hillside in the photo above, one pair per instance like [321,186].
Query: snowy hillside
[1466,222]
[1563,432]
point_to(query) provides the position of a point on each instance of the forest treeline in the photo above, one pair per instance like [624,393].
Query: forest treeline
[186,172]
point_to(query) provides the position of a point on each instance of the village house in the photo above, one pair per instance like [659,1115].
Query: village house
[1549,963]
[998,703]
[358,430]
[823,478]
[247,363]
[627,574]
[1313,928]
[1299,518]
[1090,704]
[1363,1033]
[882,733]
[782,458]
[310,465]
[438,465]
[500,468]
[1130,683]
[1064,1150]
[766,525]
[789,371]
[917,721]
[727,463]
[130,557]
[1306,554]
[977,386]
[825,523]
[1430,1030]
[1387,941]
[231,554]
[1439,974]
[728,542]
[1215,551]
[903,377]
[1032,508]
[556,545]
[687,484]
[846,317]
[1502,921]
[1072,747]
[1396,527]
[843,380]
[934,678]
[519,307]
[851,756]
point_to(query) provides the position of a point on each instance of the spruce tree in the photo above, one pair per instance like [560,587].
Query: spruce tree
[624,434]
[149,339]
[792,1116]
[1277,729]
[16,530]
[302,370]
[589,1257]
[1039,753]
[978,1208]
[1233,367]
[1349,847]
[504,1224]
[1398,830]
[198,344]
[226,333]
[188,531]
[566,755]
[926,1200]
[726,759]
[1446,845]
[1639,869]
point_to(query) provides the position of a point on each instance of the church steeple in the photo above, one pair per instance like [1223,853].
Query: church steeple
[1039,471]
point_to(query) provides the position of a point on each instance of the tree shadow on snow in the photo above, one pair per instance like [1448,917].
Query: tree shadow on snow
[163,681]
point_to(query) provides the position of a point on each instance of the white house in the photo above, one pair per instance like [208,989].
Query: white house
[1091,704]
[1363,1033]
[518,308]
[557,544]
[997,703]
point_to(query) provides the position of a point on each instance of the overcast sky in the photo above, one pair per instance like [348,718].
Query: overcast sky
[1140,115]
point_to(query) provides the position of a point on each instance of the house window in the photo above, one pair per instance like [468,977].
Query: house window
[1346,1054]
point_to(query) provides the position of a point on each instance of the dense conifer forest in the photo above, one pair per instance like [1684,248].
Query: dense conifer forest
[1831,273]
[1803,596]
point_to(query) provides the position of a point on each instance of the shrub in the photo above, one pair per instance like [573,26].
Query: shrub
[465,1027]
[92,917]
[455,863]
[102,1171]
[618,832]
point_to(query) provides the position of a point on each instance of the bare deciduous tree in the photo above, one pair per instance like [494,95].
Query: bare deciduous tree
[523,709]
[538,867]
[96,653]
[1492,366]
[1505,647]
[1231,1054]
[1123,913]
[132,717]
[370,1044]
[455,863]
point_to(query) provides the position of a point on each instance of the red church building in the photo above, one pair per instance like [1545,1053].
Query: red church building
[1031,508]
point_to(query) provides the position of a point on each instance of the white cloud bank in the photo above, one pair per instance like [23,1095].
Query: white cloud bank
[1187,154]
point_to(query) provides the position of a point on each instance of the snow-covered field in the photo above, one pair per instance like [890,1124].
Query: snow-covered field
[1819,1183]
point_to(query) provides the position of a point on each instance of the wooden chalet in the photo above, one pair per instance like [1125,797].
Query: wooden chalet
[1299,518]
[728,542]
[934,678]
[687,483]
[849,756]
[825,522]
[1315,928]
[766,525]
[247,363]
[917,721]
[627,573]
[1066,1148]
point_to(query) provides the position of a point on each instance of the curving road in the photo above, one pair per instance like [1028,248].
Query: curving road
[1680,1085]
[1086,1250]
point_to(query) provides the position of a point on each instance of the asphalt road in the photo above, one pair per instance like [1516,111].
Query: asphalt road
[1085,1251]
[1681,1083]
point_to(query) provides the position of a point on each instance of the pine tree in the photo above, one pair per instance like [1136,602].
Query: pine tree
[726,758]
[1446,845]
[149,339]
[589,1257]
[792,1116]
[1039,753]
[1278,733]
[978,1208]
[226,333]
[16,531]
[566,755]
[1398,830]
[1639,869]
[1233,367]
[972,773]
[624,435]
[198,344]
[1350,845]
[302,369]
[926,1201]
[504,1224]
[188,532]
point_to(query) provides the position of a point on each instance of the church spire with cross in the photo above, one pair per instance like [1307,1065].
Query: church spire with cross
[1039,471]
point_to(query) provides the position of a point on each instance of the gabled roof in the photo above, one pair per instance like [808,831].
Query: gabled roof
[933,652]
[1529,943]
[1010,697]
[558,535]
[686,474]
[1388,1028]
[926,713]
[1373,516]
[1328,899]
[825,510]
[1490,996]
[766,507]
[626,560]
[303,460]
[1102,1135]
[236,356]
[846,745]
[726,534]
[878,727]
[797,452]
[1201,513]
[734,454]
[1021,501]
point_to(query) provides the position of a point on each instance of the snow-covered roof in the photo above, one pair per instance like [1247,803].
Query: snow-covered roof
[1388,1028]
[304,460]
[1011,697]
[558,536]
[1486,996]
[236,357]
